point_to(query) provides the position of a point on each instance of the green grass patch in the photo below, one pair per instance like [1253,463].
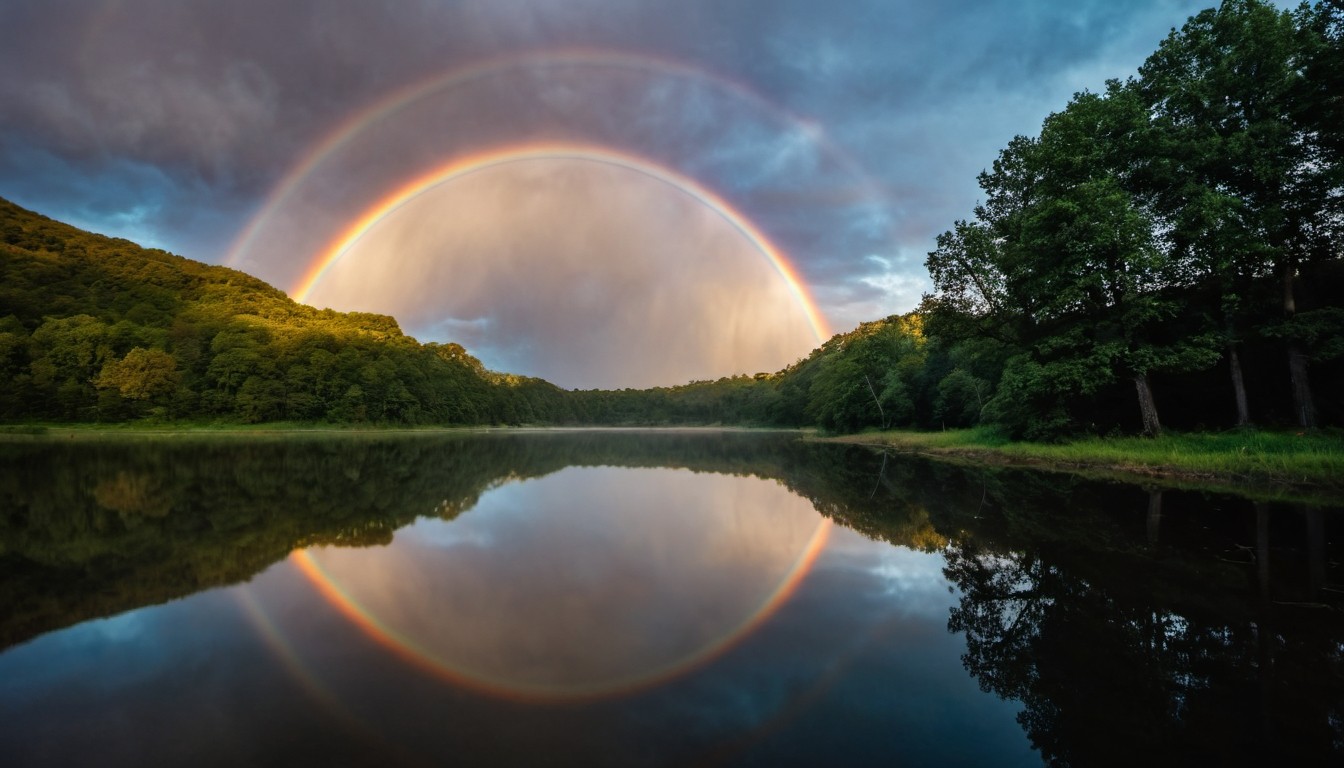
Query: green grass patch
[1241,456]
[150,429]
[22,429]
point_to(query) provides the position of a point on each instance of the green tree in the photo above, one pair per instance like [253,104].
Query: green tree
[865,378]
[1248,175]
[961,398]
[67,353]
[143,374]
[1064,263]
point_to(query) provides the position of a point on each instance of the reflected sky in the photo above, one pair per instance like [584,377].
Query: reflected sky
[701,588]
[535,604]
[590,581]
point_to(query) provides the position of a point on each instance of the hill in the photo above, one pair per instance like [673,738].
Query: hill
[94,328]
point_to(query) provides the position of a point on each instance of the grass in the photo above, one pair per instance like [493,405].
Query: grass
[1240,457]
[1243,461]
[201,429]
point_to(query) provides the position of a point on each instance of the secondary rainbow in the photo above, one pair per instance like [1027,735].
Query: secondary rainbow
[493,158]
[388,106]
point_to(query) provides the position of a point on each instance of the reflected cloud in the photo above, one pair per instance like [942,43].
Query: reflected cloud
[125,628]
[908,572]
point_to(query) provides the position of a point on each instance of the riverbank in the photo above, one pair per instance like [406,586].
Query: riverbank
[281,429]
[1283,465]
[1243,461]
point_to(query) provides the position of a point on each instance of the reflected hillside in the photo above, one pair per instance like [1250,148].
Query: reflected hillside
[91,529]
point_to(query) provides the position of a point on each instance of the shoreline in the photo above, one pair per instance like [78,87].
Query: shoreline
[1246,473]
[1274,467]
[60,432]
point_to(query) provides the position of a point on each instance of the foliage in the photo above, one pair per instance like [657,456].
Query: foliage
[97,329]
[141,375]
[1133,238]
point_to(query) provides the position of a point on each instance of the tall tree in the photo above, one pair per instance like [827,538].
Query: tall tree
[1246,176]
[1070,253]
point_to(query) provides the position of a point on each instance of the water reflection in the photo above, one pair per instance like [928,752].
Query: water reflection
[630,598]
[1157,627]
[587,582]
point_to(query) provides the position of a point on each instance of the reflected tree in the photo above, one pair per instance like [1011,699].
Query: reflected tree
[1145,654]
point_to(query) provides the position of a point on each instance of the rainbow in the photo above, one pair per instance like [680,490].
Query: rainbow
[419,657]
[493,158]
[361,120]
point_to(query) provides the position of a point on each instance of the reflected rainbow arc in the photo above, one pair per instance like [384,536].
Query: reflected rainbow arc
[414,654]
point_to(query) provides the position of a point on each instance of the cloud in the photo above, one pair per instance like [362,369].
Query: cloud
[843,130]
[581,272]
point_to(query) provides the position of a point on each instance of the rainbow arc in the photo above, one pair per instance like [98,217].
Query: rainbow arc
[494,158]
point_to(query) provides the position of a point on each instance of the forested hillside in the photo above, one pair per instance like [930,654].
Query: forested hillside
[98,329]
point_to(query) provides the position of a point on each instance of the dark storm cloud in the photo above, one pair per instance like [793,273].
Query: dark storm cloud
[169,122]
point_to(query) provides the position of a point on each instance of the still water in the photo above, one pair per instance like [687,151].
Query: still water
[628,598]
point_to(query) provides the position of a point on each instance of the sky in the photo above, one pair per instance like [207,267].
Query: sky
[600,192]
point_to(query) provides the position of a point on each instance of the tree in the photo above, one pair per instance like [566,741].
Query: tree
[143,374]
[1064,264]
[1251,174]
[865,378]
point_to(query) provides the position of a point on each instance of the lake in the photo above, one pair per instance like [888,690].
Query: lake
[646,598]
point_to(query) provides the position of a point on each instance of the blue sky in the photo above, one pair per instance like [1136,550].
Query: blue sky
[849,132]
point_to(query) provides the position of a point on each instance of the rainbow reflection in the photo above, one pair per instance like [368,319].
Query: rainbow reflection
[351,594]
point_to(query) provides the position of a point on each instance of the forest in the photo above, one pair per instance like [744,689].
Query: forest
[1164,252]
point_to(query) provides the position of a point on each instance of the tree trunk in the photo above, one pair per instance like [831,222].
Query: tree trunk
[1304,406]
[1238,385]
[881,414]
[1154,515]
[1238,381]
[1147,408]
